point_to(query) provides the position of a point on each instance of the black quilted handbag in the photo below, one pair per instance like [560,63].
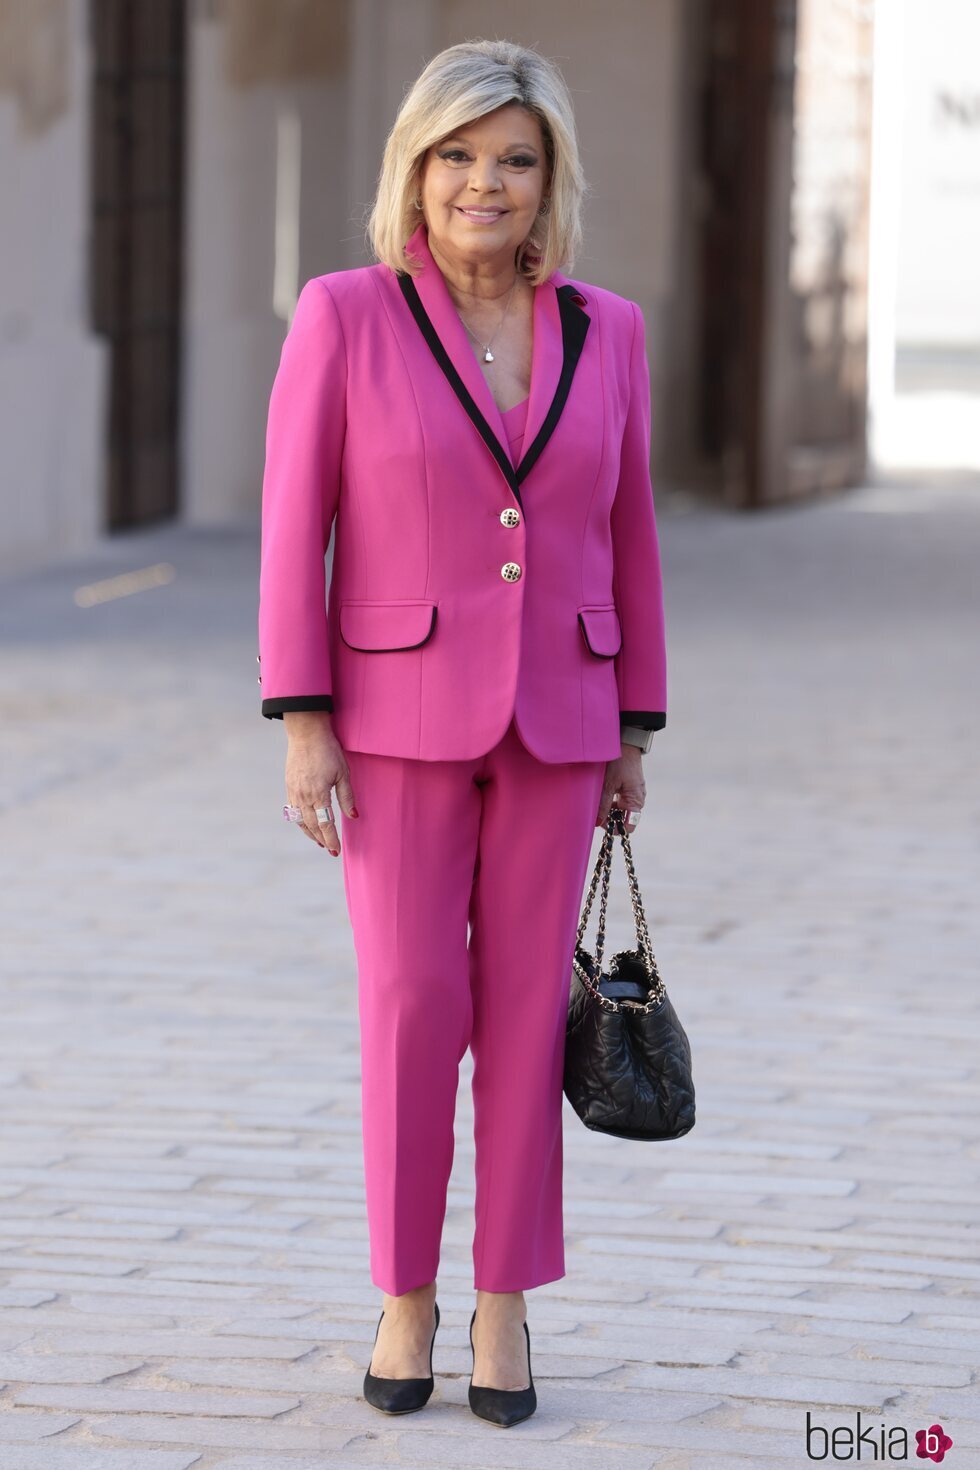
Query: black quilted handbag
[627,1056]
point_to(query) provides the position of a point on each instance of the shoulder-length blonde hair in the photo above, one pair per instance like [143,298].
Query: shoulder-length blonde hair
[459,85]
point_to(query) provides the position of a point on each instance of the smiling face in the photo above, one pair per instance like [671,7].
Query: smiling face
[481,187]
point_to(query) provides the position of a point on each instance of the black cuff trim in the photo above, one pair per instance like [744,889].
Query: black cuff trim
[274,709]
[644,718]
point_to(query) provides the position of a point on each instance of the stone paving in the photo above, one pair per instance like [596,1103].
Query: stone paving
[183,1248]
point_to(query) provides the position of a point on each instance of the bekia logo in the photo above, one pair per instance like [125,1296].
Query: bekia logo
[873,1442]
[933,1443]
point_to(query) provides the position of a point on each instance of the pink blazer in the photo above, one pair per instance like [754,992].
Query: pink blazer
[464,591]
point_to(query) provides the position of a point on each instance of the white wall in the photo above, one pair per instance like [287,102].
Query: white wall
[924,306]
[52,368]
[232,333]
[939,217]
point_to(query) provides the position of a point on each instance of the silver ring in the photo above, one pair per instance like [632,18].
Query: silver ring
[323,814]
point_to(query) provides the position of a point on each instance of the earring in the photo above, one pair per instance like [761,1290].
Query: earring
[545,206]
[417,202]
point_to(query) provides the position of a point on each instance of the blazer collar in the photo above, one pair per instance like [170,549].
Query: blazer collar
[560,325]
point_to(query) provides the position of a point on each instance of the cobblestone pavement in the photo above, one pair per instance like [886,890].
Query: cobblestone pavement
[183,1250]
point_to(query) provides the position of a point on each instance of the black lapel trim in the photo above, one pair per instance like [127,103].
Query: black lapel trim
[574,326]
[411,295]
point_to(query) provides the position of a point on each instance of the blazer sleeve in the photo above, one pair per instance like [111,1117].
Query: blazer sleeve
[300,490]
[641,663]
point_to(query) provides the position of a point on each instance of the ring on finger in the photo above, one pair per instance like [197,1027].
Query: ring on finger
[324,815]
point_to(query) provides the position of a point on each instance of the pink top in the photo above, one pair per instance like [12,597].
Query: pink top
[515,422]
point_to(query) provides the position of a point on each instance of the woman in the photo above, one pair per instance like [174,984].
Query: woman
[489,667]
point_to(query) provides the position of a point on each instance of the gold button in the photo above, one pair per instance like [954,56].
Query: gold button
[510,517]
[510,571]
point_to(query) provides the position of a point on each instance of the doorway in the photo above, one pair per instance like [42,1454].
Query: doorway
[138,83]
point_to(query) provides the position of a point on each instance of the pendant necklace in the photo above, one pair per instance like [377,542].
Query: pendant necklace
[485,346]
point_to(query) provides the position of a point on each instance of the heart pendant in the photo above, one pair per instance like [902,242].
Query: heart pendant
[488,356]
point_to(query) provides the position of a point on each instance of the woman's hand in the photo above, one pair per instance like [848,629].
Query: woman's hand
[315,762]
[624,785]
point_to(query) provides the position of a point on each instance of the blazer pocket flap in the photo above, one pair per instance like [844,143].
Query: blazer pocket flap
[375,626]
[601,630]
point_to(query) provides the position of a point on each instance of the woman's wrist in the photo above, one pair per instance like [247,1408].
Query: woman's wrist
[304,722]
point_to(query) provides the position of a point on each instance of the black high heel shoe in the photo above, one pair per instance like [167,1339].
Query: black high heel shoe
[400,1395]
[504,1406]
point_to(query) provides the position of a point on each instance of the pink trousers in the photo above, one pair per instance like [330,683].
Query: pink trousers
[501,844]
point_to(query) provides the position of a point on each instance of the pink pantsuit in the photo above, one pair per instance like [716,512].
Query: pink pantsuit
[494,615]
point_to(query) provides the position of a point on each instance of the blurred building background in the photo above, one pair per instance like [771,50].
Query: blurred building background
[172,171]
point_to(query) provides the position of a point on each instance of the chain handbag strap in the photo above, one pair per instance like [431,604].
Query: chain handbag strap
[603,869]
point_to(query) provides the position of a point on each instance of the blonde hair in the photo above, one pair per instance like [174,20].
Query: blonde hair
[460,84]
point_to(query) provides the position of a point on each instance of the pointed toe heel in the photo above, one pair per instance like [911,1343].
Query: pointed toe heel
[400,1395]
[503,1406]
